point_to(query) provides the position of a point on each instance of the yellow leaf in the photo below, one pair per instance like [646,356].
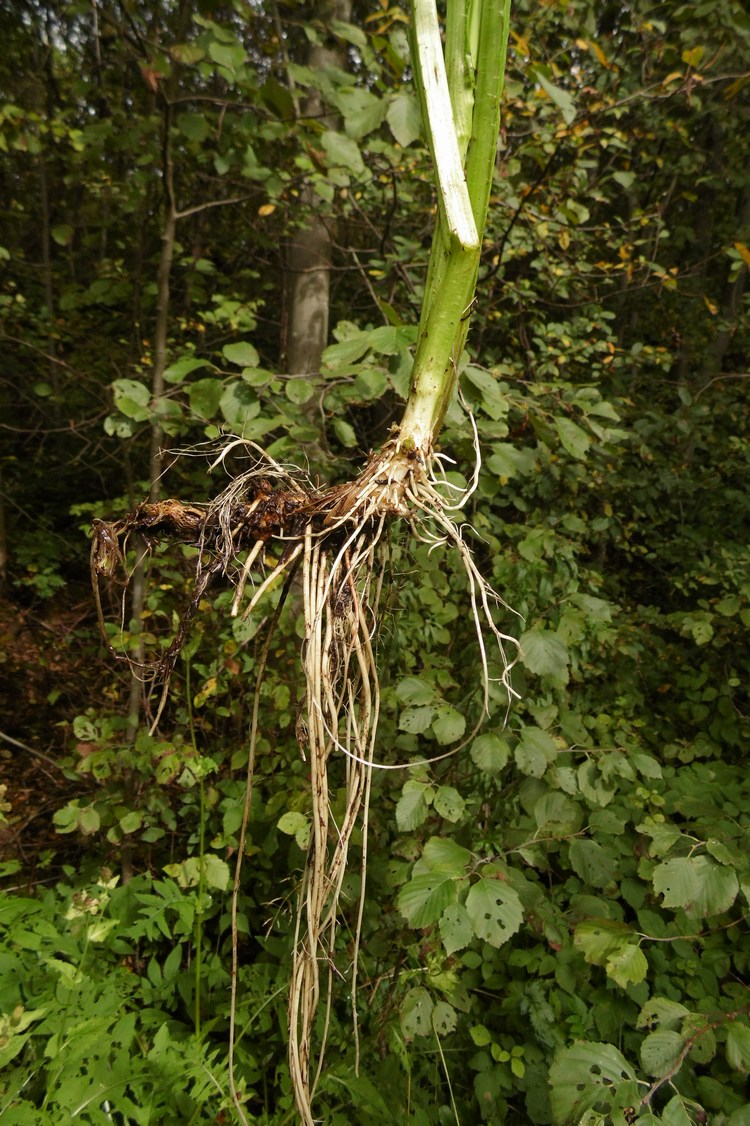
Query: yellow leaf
[692,56]
[712,307]
[564,239]
[266,209]
[675,74]
[744,252]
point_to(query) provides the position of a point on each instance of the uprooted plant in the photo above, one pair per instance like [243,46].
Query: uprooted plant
[270,524]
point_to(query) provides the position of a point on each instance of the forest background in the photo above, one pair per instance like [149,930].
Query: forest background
[215,222]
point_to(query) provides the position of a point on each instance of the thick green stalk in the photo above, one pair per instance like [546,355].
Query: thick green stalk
[476,41]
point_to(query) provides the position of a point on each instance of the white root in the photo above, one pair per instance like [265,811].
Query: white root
[340,543]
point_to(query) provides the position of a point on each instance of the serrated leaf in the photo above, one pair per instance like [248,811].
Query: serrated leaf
[495,910]
[193,126]
[239,404]
[697,884]
[490,753]
[416,720]
[243,354]
[177,371]
[455,928]
[441,854]
[415,690]
[544,653]
[595,866]
[572,437]
[660,1012]
[416,1013]
[411,809]
[449,803]
[585,1075]
[204,397]
[404,119]
[738,1046]
[291,822]
[448,725]
[599,938]
[342,152]
[627,965]
[444,1018]
[535,751]
[423,900]
[676,1114]
[660,1051]
[480,1035]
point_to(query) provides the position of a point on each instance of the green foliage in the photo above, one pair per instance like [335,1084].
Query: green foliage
[555,922]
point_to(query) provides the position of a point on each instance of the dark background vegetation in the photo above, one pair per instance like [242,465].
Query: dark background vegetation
[162,164]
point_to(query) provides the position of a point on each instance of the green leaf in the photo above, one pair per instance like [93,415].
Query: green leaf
[363,112]
[416,1013]
[415,690]
[131,821]
[544,653]
[572,438]
[660,1051]
[561,98]
[589,1074]
[411,809]
[480,1035]
[343,152]
[599,938]
[660,1012]
[490,753]
[231,56]
[448,725]
[535,751]
[592,863]
[455,928]
[193,126]
[62,234]
[444,1018]
[627,965]
[204,397]
[738,1046]
[697,884]
[132,398]
[441,854]
[416,720]
[449,803]
[239,404]
[675,1113]
[404,119]
[243,354]
[424,898]
[177,371]
[345,433]
[495,910]
[300,390]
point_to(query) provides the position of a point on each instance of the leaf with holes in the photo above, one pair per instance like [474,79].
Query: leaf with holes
[416,1013]
[495,911]
[455,926]
[589,1074]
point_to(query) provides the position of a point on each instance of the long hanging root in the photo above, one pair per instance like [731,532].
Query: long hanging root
[275,522]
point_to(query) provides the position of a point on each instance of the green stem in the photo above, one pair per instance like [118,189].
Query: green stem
[476,42]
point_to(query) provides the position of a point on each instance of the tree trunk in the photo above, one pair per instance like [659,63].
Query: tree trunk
[308,263]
